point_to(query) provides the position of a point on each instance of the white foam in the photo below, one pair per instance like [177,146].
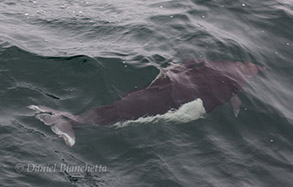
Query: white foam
[69,140]
[36,108]
[187,112]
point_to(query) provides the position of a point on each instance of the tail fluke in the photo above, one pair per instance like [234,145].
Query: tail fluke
[59,122]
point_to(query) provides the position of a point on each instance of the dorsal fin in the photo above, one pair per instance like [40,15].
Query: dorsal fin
[160,81]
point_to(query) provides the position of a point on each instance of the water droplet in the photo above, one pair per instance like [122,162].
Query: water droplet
[26,14]
[171,16]
[271,140]
[276,53]
[287,43]
[125,66]
[243,4]
[161,6]
[203,16]
[245,108]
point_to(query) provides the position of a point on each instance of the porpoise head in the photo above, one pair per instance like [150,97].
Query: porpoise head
[248,69]
[238,71]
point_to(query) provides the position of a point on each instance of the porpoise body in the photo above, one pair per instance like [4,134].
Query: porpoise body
[207,83]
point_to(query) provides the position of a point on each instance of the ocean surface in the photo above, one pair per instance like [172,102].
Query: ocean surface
[72,55]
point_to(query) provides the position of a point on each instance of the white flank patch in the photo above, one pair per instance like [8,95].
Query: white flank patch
[186,113]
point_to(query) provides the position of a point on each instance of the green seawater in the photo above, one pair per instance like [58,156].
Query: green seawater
[73,55]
